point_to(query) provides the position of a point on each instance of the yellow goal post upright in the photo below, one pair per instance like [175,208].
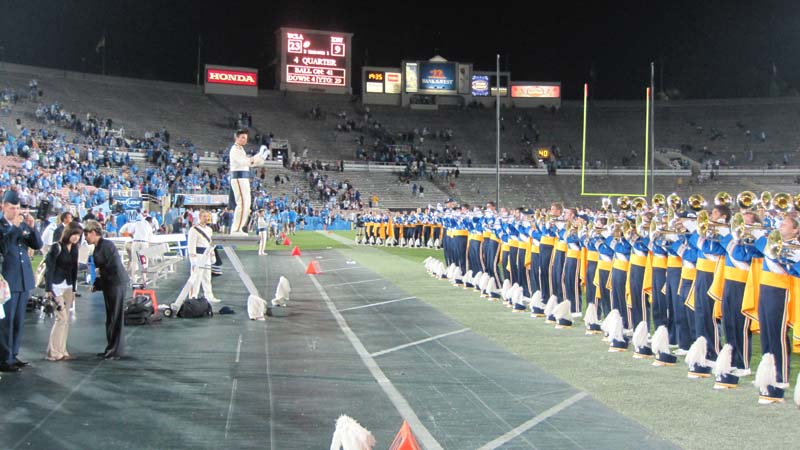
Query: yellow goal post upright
[646,150]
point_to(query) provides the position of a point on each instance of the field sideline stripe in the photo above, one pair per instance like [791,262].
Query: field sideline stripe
[397,399]
[376,304]
[415,343]
[504,439]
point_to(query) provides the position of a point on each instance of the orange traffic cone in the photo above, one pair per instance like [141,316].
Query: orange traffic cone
[405,439]
[287,241]
[313,268]
[296,251]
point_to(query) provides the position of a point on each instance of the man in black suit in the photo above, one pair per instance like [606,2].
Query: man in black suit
[66,218]
[17,235]
[113,281]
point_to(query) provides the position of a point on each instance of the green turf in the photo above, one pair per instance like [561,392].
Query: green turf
[688,412]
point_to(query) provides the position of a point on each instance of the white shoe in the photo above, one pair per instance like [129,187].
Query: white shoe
[214,300]
[680,352]
[740,372]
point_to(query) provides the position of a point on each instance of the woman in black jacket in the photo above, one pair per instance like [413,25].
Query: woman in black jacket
[61,277]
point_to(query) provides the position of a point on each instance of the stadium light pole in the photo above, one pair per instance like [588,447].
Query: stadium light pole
[497,155]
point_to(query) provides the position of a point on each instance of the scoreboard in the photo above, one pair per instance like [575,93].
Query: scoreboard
[315,60]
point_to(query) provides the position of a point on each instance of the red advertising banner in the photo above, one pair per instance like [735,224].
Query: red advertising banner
[535,91]
[234,77]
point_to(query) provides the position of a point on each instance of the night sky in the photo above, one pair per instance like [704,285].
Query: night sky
[702,48]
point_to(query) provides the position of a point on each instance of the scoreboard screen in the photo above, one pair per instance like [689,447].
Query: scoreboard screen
[316,58]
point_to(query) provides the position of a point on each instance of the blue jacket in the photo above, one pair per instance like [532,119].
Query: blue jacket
[14,245]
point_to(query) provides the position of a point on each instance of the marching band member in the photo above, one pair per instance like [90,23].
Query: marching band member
[619,272]
[570,283]
[636,302]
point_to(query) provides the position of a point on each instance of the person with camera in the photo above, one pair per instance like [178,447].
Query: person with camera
[18,234]
[61,276]
[113,281]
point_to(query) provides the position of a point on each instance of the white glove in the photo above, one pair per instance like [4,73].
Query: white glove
[605,233]
[758,233]
[723,231]
[794,256]
[690,225]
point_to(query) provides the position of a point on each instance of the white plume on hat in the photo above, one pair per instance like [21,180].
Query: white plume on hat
[561,311]
[697,353]
[552,302]
[490,286]
[282,292]
[350,435]
[640,335]
[590,318]
[536,300]
[766,375]
[505,288]
[660,342]
[724,359]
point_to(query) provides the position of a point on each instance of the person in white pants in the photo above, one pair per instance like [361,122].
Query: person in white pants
[240,165]
[263,232]
[199,241]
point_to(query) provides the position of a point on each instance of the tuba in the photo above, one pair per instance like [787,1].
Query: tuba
[624,203]
[765,199]
[723,199]
[696,202]
[639,204]
[746,199]
[658,201]
[675,202]
[782,202]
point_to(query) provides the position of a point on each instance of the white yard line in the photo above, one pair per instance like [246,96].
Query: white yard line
[425,437]
[422,341]
[377,304]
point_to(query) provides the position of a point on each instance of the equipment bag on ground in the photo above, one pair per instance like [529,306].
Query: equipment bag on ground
[139,311]
[195,307]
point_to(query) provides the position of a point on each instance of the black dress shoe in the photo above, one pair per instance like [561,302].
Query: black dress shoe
[112,357]
[20,363]
[8,368]
[101,355]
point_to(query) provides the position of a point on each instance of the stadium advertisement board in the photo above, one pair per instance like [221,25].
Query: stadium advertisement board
[229,80]
[480,85]
[374,81]
[535,91]
[437,78]
[392,83]
[313,59]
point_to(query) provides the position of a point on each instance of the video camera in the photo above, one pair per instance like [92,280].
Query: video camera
[44,303]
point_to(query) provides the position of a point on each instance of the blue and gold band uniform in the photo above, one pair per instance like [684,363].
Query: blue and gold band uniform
[619,276]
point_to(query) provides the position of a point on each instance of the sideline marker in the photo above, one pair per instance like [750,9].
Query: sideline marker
[313,268]
[296,251]
[405,439]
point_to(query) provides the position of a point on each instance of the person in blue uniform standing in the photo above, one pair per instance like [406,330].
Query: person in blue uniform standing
[17,235]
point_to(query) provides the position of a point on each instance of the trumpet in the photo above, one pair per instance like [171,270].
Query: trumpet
[746,199]
[622,229]
[696,202]
[777,248]
[743,232]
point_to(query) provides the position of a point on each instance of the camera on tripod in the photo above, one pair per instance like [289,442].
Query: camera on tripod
[46,304]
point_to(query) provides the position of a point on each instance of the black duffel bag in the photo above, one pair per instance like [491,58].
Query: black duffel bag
[193,308]
[139,311]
